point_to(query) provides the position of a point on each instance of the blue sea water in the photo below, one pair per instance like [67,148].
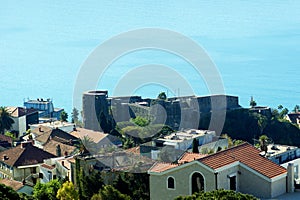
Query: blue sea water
[254,44]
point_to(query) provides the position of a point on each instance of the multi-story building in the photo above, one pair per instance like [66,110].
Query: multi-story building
[45,108]
[22,162]
[239,168]
[22,117]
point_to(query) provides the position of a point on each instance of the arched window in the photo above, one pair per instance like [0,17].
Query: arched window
[197,182]
[171,183]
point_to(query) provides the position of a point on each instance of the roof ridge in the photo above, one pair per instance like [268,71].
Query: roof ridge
[227,150]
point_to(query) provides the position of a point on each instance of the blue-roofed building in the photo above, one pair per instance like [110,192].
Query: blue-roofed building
[45,108]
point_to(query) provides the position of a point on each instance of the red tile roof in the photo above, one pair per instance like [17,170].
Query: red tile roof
[135,150]
[16,185]
[160,167]
[24,154]
[189,157]
[19,111]
[50,147]
[246,154]
[48,166]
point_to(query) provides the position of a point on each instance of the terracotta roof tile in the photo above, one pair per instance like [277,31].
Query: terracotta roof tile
[95,136]
[16,185]
[246,154]
[188,157]
[44,137]
[48,166]
[40,130]
[135,150]
[6,138]
[50,147]
[160,167]
[26,155]
[19,111]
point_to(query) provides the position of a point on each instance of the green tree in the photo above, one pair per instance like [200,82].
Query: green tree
[220,194]
[280,107]
[89,184]
[263,140]
[11,135]
[296,108]
[237,142]
[252,102]
[262,122]
[110,193]
[122,184]
[5,120]
[140,121]
[64,116]
[195,146]
[230,142]
[7,193]
[67,192]
[162,96]
[283,113]
[75,115]
[47,190]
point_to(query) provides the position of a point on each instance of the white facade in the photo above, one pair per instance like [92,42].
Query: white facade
[64,126]
[19,125]
[183,140]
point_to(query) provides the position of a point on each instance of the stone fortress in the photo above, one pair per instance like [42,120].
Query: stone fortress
[176,112]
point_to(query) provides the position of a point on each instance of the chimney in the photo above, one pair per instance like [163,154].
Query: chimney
[290,178]
[74,128]
[63,163]
[5,157]
[58,151]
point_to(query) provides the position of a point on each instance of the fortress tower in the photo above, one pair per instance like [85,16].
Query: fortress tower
[94,107]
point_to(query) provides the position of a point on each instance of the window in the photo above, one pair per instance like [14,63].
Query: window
[232,183]
[171,183]
[296,172]
[197,182]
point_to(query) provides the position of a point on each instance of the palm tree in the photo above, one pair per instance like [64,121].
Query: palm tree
[263,139]
[262,122]
[5,120]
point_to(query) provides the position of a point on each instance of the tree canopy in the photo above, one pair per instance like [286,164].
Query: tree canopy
[64,116]
[67,192]
[75,115]
[47,190]
[162,96]
[5,120]
[220,194]
[108,192]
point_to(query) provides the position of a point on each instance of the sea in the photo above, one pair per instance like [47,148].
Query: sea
[254,45]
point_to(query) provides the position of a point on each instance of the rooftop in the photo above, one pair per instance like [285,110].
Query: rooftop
[160,167]
[96,136]
[51,167]
[246,154]
[275,149]
[66,149]
[51,133]
[53,125]
[24,154]
[186,134]
[189,157]
[19,111]
[40,130]
[16,185]
[39,100]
